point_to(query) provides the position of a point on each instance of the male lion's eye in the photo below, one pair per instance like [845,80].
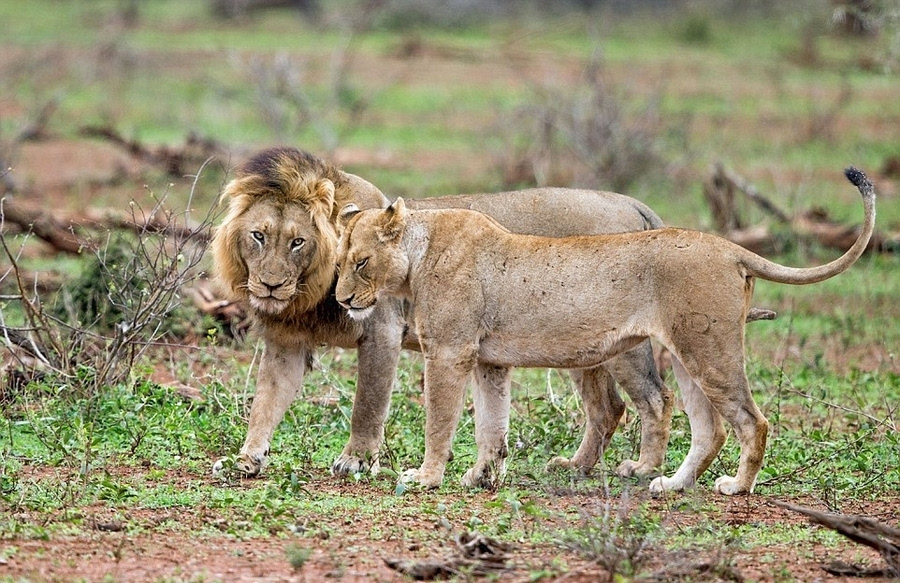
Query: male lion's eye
[361,264]
[297,243]
[258,236]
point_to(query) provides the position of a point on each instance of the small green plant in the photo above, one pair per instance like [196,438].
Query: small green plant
[619,538]
[297,555]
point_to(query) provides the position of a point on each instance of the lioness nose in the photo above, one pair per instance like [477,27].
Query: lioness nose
[345,302]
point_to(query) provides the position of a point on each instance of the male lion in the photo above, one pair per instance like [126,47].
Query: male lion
[276,249]
[484,296]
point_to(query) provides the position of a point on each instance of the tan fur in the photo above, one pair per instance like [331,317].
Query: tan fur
[286,194]
[484,295]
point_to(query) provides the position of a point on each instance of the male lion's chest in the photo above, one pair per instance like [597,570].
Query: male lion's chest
[326,325]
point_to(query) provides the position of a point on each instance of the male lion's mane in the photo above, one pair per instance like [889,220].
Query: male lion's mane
[287,176]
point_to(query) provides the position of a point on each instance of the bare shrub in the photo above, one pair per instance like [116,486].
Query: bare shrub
[620,538]
[289,98]
[588,136]
[102,324]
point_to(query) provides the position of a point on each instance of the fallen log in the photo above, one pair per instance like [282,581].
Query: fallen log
[860,529]
[66,232]
[721,190]
[175,161]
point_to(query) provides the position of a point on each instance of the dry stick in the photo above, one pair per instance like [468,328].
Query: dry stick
[861,529]
[752,193]
[43,225]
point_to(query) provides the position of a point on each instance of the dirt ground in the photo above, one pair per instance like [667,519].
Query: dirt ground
[154,545]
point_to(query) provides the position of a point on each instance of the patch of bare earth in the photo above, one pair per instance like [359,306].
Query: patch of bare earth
[137,543]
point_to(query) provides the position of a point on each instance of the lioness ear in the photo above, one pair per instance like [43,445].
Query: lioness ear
[348,212]
[323,196]
[393,222]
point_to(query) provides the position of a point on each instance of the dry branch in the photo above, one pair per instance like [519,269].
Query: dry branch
[721,190]
[232,314]
[175,161]
[65,232]
[861,529]
[478,555]
[42,224]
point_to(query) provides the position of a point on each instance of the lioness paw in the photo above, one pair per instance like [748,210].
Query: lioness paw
[349,465]
[730,486]
[631,468]
[245,465]
[425,479]
[663,484]
[568,464]
[483,477]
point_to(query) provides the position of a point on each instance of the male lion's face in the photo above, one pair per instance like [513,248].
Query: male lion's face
[278,242]
[370,261]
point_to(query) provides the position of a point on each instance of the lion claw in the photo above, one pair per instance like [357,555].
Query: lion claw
[349,465]
[248,466]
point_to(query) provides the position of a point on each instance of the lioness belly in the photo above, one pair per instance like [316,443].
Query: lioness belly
[568,351]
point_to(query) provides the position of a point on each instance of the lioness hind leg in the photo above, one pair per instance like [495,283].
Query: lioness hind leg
[603,408]
[727,389]
[492,398]
[635,370]
[707,434]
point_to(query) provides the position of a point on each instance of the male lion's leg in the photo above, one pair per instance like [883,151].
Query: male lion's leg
[379,351]
[445,388]
[492,398]
[603,408]
[635,370]
[281,372]
[707,434]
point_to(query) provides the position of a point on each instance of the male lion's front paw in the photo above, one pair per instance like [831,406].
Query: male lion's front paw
[730,486]
[245,465]
[422,477]
[631,468]
[349,465]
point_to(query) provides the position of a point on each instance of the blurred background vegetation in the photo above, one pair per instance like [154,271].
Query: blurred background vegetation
[426,97]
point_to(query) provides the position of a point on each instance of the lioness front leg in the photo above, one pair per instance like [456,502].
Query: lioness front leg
[281,372]
[445,384]
[492,399]
[378,355]
[603,408]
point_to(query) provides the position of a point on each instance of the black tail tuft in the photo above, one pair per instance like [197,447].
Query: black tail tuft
[857,177]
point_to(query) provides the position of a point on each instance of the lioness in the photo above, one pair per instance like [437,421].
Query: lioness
[276,249]
[484,296]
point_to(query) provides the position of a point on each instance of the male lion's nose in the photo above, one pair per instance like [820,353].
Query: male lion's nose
[273,286]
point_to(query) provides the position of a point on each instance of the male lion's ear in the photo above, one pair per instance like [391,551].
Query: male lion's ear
[323,195]
[393,221]
[348,212]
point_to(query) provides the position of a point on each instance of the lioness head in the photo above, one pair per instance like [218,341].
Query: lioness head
[276,246]
[370,259]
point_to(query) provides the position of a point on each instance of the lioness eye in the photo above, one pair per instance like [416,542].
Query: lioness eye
[258,236]
[297,243]
[361,264]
